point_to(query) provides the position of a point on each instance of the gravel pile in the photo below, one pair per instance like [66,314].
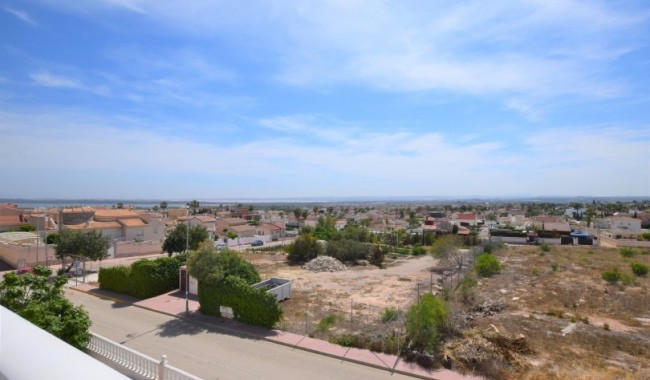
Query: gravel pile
[325,264]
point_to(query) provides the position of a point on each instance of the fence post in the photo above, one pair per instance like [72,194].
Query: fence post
[162,366]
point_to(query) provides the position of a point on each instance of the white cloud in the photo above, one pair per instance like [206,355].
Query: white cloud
[567,161]
[22,15]
[47,79]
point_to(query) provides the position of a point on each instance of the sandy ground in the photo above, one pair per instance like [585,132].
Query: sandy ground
[369,285]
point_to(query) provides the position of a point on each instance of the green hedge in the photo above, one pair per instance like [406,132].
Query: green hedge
[249,305]
[144,278]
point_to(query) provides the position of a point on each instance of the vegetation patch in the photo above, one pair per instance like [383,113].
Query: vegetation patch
[144,278]
[487,265]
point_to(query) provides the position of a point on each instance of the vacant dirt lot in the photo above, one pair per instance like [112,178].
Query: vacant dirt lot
[365,289]
[560,319]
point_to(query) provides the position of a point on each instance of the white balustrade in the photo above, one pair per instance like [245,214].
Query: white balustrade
[136,362]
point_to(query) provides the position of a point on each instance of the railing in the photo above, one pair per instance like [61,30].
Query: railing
[135,362]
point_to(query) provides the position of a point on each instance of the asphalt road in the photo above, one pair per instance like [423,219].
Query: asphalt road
[209,353]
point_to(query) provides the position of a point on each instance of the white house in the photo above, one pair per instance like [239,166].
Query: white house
[625,223]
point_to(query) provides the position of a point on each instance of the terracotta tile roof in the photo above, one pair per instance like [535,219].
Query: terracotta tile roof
[94,225]
[10,220]
[115,213]
[131,222]
[548,219]
[467,216]
[234,221]
[272,226]
[242,228]
[204,218]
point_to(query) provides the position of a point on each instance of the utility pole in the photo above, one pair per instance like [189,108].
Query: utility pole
[187,268]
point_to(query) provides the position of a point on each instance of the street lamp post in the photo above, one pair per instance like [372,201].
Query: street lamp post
[187,268]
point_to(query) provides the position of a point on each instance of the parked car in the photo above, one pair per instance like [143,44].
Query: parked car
[221,245]
[257,243]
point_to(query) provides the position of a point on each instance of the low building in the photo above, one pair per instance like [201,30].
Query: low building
[275,231]
[624,223]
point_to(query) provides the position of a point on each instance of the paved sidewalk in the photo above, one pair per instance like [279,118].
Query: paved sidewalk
[174,304]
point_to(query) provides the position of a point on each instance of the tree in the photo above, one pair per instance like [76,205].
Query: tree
[208,263]
[325,228]
[304,248]
[194,206]
[91,245]
[52,238]
[120,205]
[43,303]
[447,250]
[163,206]
[176,239]
[425,323]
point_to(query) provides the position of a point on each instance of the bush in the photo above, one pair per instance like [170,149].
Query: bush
[249,305]
[467,285]
[613,276]
[419,250]
[645,235]
[327,322]
[487,265]
[545,247]
[426,322]
[349,250]
[389,314]
[306,247]
[144,278]
[628,279]
[554,267]
[627,252]
[639,269]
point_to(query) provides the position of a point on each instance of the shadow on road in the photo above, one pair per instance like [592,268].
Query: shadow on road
[198,323]
[179,326]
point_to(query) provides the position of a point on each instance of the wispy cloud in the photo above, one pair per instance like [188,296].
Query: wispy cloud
[22,16]
[582,160]
[47,79]
[530,50]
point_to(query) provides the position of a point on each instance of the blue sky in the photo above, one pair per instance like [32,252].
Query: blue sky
[267,99]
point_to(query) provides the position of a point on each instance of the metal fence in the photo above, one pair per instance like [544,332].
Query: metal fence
[141,365]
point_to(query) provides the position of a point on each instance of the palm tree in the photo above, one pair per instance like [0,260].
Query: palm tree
[194,206]
[163,207]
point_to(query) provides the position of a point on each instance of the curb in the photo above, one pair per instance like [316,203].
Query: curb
[294,346]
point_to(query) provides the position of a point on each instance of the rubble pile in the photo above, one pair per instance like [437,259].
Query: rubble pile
[325,264]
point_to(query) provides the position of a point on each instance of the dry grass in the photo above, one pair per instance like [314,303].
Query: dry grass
[561,313]
[545,292]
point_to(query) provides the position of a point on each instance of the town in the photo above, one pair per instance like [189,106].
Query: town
[327,189]
[383,259]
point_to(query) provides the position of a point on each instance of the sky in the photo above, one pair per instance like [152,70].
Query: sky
[149,99]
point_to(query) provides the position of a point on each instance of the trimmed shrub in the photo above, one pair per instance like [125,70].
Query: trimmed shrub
[144,278]
[639,269]
[487,265]
[249,305]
